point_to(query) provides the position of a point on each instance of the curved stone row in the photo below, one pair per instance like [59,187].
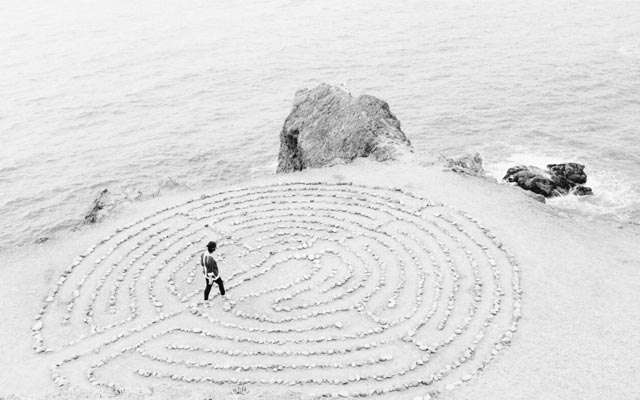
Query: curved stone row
[336,289]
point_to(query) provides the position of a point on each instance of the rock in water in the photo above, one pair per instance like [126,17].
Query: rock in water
[582,191]
[101,202]
[557,180]
[573,172]
[531,178]
[328,126]
[469,164]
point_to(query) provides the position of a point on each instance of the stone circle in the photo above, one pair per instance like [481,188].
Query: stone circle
[334,290]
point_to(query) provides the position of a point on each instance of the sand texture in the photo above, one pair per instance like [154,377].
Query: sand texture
[368,280]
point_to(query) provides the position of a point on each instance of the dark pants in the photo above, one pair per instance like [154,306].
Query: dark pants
[210,283]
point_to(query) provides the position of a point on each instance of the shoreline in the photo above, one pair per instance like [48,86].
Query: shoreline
[568,206]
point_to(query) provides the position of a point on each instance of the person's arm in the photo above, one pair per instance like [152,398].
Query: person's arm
[216,273]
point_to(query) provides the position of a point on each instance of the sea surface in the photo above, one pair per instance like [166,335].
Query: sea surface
[149,97]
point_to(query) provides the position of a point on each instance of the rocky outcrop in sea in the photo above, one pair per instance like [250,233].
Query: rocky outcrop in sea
[328,126]
[556,180]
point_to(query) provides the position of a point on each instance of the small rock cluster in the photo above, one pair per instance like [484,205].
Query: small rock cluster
[468,164]
[556,180]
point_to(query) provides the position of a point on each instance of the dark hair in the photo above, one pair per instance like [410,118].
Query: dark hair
[211,246]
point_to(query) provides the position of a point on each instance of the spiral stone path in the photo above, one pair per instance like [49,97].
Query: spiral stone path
[334,290]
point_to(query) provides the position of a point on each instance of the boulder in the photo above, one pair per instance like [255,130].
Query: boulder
[582,191]
[468,164]
[328,126]
[102,202]
[573,172]
[556,180]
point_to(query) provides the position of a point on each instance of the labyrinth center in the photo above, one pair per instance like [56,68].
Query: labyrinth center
[332,289]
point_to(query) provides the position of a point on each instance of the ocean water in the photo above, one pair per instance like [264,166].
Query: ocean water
[148,97]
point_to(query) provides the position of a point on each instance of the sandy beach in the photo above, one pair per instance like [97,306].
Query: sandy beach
[566,287]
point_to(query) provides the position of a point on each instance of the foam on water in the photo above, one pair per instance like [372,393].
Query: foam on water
[615,196]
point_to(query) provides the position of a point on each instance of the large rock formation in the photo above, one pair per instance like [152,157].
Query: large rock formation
[556,180]
[328,126]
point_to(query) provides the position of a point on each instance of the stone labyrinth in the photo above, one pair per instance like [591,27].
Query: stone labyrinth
[334,290]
